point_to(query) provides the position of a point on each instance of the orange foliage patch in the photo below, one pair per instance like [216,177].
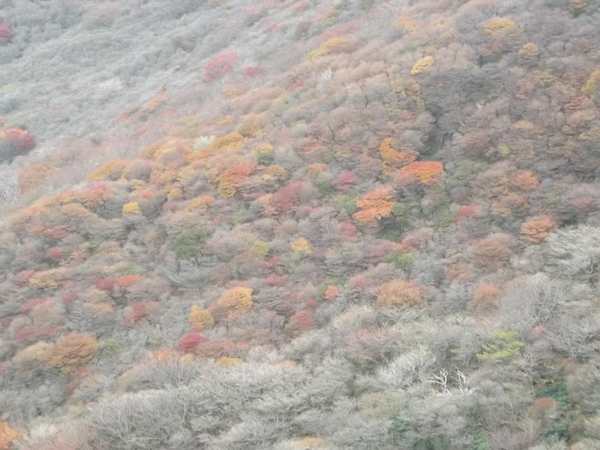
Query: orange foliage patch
[331,292]
[153,103]
[375,205]
[95,196]
[203,202]
[76,211]
[526,180]
[485,295]
[128,280]
[231,142]
[399,293]
[512,204]
[34,175]
[200,318]
[8,435]
[166,151]
[253,124]
[71,351]
[393,157]
[50,279]
[426,172]
[491,255]
[536,229]
[233,177]
[111,170]
[234,301]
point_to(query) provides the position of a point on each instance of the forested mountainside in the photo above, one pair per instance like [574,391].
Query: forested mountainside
[288,225]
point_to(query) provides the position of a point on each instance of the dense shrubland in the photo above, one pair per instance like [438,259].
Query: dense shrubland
[357,225]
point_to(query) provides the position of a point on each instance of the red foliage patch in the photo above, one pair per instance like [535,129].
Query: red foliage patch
[253,71]
[349,230]
[29,334]
[272,262]
[105,284]
[344,181]
[219,66]
[56,233]
[285,198]
[29,305]
[20,140]
[190,342]
[275,280]
[55,254]
[360,282]
[139,310]
[5,32]
[466,212]
[300,321]
[296,85]
[70,297]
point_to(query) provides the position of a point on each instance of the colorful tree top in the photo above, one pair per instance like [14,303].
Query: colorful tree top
[375,205]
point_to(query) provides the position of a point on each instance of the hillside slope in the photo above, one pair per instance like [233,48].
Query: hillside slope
[348,225]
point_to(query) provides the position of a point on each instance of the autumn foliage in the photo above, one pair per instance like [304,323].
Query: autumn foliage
[393,157]
[422,65]
[139,311]
[399,293]
[490,254]
[72,350]
[356,214]
[536,229]
[5,33]
[15,142]
[234,301]
[300,321]
[190,342]
[284,199]
[344,181]
[426,172]
[219,66]
[301,245]
[485,295]
[8,435]
[375,205]
[200,318]
[231,178]
[34,175]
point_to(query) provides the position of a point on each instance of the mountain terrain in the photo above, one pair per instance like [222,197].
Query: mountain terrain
[347,224]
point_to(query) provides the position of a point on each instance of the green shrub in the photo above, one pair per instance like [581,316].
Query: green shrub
[240,216]
[401,259]
[347,203]
[112,345]
[505,346]
[323,186]
[189,244]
